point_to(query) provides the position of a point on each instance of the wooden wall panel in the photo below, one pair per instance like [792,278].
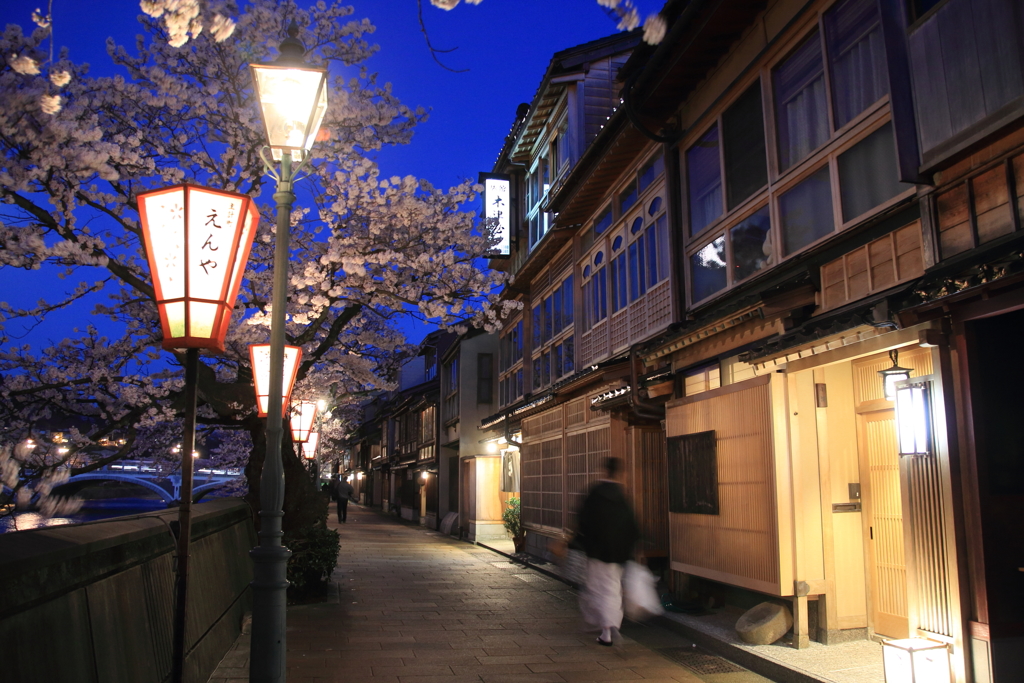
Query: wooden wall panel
[992,204]
[874,267]
[739,545]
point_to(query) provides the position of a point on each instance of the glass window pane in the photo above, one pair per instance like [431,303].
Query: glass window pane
[627,199]
[536,373]
[519,341]
[806,212]
[746,166]
[548,320]
[707,270]
[634,272]
[545,367]
[751,245]
[602,290]
[655,206]
[664,255]
[556,318]
[704,176]
[537,324]
[568,358]
[651,172]
[641,264]
[867,173]
[567,301]
[558,362]
[603,221]
[801,111]
[619,282]
[857,58]
[651,238]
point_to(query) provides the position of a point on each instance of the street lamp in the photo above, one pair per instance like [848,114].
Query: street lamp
[293,100]
[892,375]
[197,242]
[259,360]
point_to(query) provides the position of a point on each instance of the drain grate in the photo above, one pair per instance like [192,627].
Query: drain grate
[700,662]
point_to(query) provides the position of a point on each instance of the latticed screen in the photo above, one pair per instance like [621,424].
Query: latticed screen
[693,473]
[584,456]
[551,463]
[530,482]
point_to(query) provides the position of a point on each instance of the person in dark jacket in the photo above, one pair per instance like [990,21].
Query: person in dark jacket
[342,492]
[608,533]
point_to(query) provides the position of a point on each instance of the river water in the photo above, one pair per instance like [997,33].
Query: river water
[23,521]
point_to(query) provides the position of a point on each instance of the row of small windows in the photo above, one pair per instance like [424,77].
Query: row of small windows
[554,363]
[554,314]
[727,167]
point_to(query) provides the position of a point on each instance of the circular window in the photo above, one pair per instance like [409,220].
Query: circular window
[617,244]
[637,224]
[599,258]
[655,206]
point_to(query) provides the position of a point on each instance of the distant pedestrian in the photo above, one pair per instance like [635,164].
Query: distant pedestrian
[608,533]
[342,492]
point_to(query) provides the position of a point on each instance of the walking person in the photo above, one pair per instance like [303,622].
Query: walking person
[342,492]
[608,533]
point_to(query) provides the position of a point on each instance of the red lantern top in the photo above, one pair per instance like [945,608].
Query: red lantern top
[197,243]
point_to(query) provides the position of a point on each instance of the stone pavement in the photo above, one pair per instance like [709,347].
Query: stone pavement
[409,605]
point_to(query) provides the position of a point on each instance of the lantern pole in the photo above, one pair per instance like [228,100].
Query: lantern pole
[270,557]
[184,514]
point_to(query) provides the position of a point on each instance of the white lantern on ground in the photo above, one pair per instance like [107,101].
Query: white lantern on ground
[915,660]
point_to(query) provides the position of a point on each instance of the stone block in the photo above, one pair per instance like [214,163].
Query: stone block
[764,624]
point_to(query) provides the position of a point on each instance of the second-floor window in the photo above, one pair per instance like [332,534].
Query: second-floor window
[553,347]
[833,142]
[510,364]
[450,390]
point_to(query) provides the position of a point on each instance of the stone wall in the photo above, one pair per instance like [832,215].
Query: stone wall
[93,603]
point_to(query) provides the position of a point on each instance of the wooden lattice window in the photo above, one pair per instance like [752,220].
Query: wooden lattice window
[693,473]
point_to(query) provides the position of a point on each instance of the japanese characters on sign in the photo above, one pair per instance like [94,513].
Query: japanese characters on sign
[498,208]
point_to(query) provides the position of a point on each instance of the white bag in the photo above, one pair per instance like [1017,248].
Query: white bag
[639,596]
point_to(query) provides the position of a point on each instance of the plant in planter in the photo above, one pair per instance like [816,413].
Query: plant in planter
[512,519]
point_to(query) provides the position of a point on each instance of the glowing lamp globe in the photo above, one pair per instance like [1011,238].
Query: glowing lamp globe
[292,97]
[309,447]
[259,359]
[303,415]
[197,243]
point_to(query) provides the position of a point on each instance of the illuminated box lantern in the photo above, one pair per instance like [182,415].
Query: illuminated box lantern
[309,447]
[915,660]
[303,415]
[913,419]
[259,360]
[197,243]
[292,97]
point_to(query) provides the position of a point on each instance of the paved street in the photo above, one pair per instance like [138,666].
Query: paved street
[413,606]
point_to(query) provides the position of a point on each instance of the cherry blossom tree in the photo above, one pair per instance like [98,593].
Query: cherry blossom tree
[366,250]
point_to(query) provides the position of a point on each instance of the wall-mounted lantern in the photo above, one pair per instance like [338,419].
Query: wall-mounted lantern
[913,419]
[892,375]
[303,417]
[915,660]
[259,359]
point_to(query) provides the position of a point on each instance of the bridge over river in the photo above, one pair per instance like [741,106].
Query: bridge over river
[149,476]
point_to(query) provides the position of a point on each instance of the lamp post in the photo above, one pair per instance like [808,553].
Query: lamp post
[197,243]
[293,100]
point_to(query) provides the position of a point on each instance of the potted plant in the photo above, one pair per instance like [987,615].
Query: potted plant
[513,523]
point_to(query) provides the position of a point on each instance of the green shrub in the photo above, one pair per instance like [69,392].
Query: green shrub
[512,518]
[314,555]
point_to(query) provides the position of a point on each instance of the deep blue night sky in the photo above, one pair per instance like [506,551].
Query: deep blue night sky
[505,44]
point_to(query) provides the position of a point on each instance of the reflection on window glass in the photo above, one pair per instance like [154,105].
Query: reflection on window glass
[867,174]
[619,282]
[548,319]
[536,326]
[627,199]
[650,172]
[751,245]
[743,147]
[705,181]
[707,270]
[857,57]
[557,316]
[567,299]
[558,361]
[806,212]
[568,362]
[800,104]
[536,374]
[603,221]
